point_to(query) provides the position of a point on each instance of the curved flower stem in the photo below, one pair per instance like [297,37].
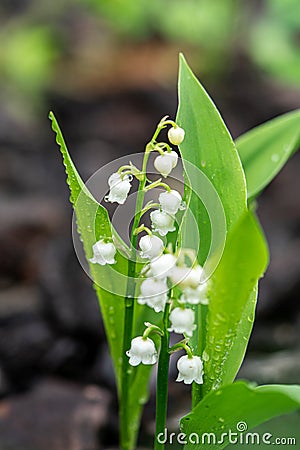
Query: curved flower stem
[125,438]
[157,183]
[162,380]
[200,313]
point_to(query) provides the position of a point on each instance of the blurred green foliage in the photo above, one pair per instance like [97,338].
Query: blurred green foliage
[208,25]
[26,57]
[38,43]
[274,41]
[204,22]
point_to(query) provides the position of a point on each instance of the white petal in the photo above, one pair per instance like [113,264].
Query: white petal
[134,360]
[174,157]
[195,296]
[164,164]
[162,222]
[142,351]
[151,246]
[190,369]
[187,277]
[170,201]
[119,192]
[182,321]
[163,266]
[115,178]
[97,260]
[104,253]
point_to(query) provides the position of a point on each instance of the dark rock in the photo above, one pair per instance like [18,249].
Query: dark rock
[19,299]
[24,339]
[279,367]
[54,415]
[69,298]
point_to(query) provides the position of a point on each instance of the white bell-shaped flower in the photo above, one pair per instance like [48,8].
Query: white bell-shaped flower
[190,369]
[103,253]
[154,294]
[142,350]
[187,276]
[182,321]
[162,222]
[166,162]
[119,188]
[151,246]
[162,267]
[176,135]
[195,296]
[170,202]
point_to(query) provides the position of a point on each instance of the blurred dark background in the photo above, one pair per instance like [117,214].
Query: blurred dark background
[108,69]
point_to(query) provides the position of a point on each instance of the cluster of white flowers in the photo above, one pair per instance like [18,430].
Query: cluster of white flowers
[162,269]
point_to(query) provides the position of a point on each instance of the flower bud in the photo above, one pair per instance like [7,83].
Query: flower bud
[151,246]
[176,135]
[103,253]
[142,350]
[170,202]
[195,296]
[166,162]
[119,188]
[162,222]
[182,321]
[154,294]
[190,369]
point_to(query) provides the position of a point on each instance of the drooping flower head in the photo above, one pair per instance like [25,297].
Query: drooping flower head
[162,222]
[187,276]
[151,246]
[119,188]
[154,294]
[170,202]
[103,253]
[195,296]
[162,267]
[166,162]
[142,350]
[190,369]
[182,321]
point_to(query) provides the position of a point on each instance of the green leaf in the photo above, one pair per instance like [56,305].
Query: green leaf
[93,224]
[222,411]
[211,160]
[265,149]
[233,291]
[209,147]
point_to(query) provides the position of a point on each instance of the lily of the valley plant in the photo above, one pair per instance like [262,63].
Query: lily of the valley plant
[160,285]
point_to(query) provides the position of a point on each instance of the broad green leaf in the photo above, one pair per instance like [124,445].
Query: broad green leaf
[233,291]
[209,147]
[211,160]
[93,224]
[265,149]
[230,406]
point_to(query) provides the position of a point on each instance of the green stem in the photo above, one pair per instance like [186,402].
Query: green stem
[125,438]
[162,380]
[201,313]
